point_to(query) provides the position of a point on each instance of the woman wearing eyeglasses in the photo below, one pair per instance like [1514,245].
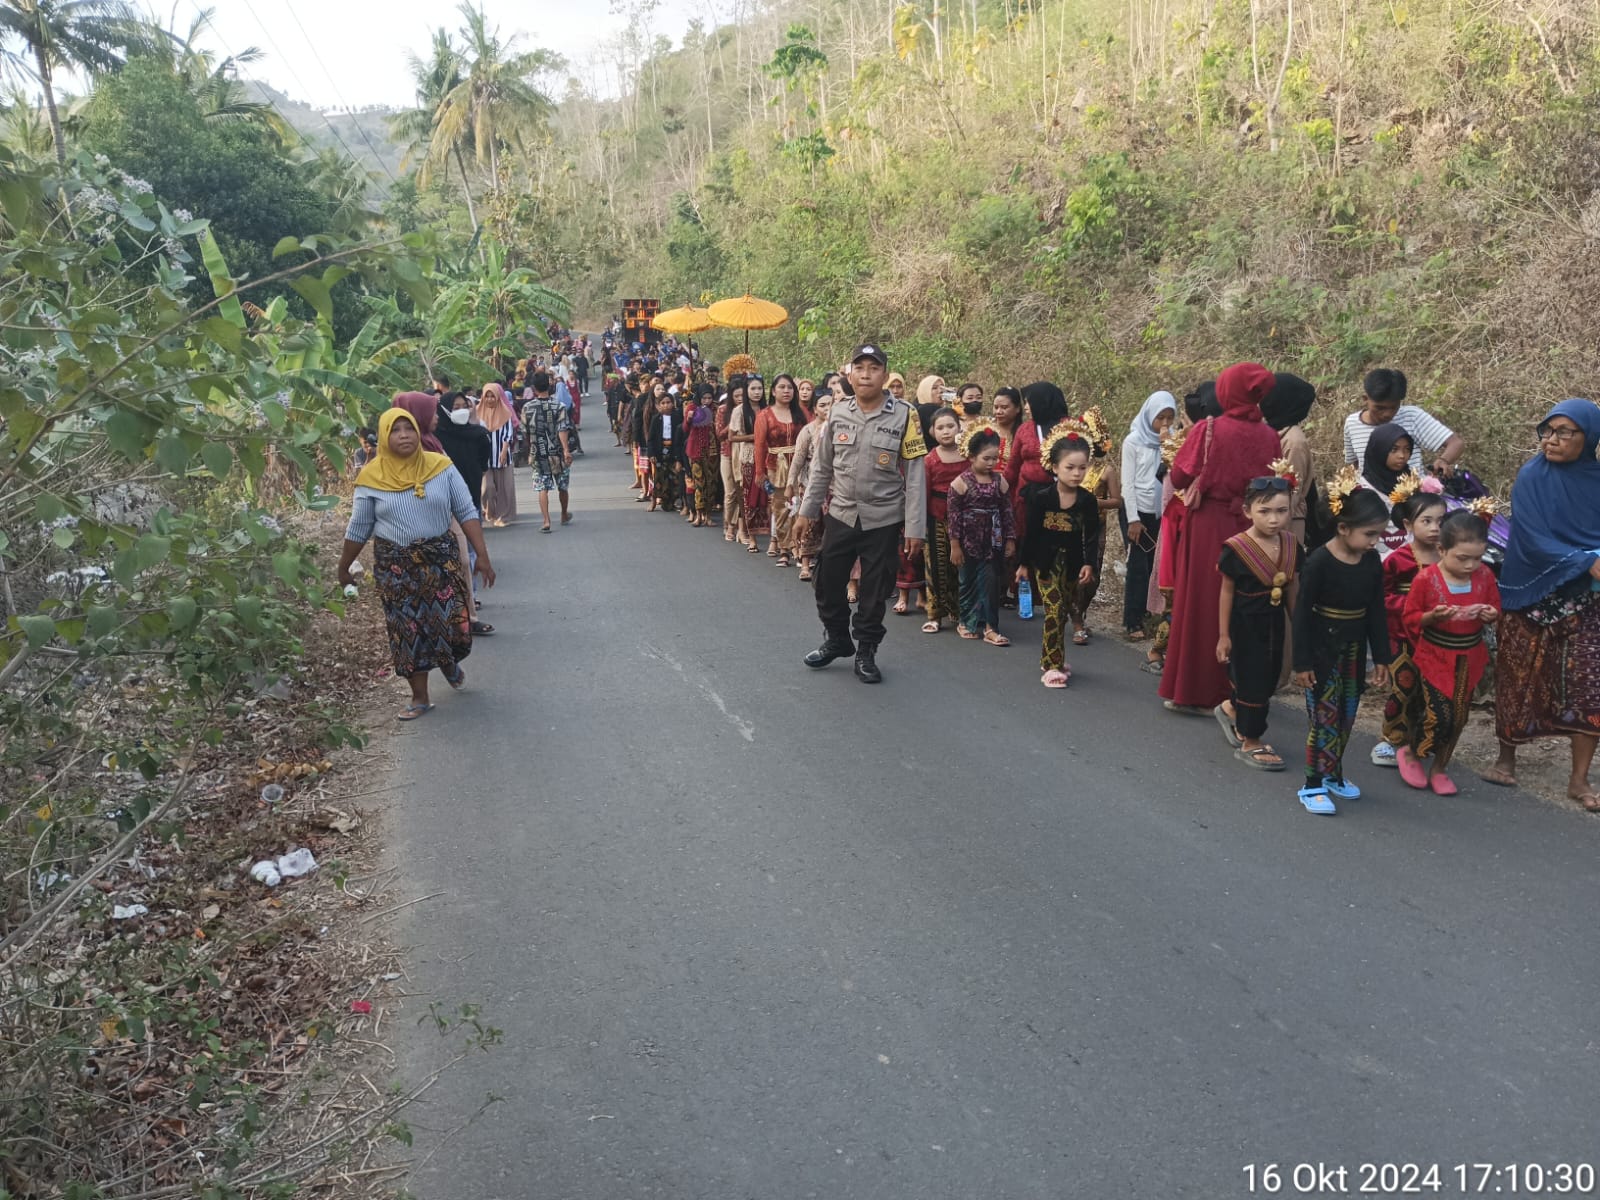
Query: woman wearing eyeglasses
[1548,673]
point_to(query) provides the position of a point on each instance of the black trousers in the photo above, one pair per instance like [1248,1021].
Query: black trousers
[879,552]
[1141,562]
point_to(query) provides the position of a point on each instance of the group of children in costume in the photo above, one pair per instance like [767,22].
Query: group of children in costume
[1420,613]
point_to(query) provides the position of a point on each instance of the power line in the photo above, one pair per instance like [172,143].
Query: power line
[295,75]
[337,94]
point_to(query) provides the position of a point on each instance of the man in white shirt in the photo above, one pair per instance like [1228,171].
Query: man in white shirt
[1386,393]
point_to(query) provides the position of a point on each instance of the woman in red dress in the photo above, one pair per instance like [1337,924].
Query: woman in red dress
[1219,457]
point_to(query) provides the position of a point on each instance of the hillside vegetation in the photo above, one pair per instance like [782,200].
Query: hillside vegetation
[1121,196]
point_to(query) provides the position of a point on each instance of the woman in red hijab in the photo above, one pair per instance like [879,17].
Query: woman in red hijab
[1219,457]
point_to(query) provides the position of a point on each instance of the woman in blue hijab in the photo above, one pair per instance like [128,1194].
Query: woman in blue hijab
[1547,680]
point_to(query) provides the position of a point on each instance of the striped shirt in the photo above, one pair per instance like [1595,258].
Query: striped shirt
[1426,431]
[405,517]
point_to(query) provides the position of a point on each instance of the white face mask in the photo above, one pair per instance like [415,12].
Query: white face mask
[460,416]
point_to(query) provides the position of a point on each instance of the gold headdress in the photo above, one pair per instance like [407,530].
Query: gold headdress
[1484,506]
[1284,469]
[1341,486]
[1172,443]
[1405,487]
[966,438]
[1099,432]
[739,364]
[1067,429]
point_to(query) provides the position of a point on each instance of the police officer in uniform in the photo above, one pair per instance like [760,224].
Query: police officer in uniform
[869,460]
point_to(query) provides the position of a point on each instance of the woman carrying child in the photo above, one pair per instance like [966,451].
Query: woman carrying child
[1446,611]
[1059,542]
[1259,570]
[983,534]
[1338,616]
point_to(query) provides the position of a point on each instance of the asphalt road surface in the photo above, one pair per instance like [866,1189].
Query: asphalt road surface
[753,931]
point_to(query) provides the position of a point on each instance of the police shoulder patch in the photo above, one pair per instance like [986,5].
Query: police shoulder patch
[911,443]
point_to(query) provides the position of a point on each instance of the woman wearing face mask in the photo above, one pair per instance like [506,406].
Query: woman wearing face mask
[969,403]
[465,442]
[500,483]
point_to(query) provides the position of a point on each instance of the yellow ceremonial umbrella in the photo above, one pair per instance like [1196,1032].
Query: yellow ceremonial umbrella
[747,313]
[687,319]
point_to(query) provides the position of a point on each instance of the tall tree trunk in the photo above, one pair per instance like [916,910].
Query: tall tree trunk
[50,105]
[1283,69]
[466,190]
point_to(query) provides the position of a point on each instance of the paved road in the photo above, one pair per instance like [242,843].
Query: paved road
[754,932]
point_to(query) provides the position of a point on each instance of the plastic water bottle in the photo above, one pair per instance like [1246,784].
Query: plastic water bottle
[1024,600]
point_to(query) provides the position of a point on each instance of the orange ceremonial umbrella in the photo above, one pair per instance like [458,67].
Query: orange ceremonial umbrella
[687,319]
[747,313]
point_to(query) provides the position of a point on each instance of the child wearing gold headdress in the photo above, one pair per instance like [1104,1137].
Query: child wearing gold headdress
[1338,618]
[1417,511]
[1060,537]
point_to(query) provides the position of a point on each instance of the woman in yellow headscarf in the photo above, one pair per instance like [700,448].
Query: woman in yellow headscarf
[404,500]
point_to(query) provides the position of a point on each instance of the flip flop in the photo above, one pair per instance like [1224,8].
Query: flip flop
[1150,667]
[1443,785]
[930,627]
[1187,710]
[1316,801]
[566,518]
[1055,679]
[413,712]
[1228,731]
[1341,788]
[482,629]
[1080,637]
[996,639]
[1252,758]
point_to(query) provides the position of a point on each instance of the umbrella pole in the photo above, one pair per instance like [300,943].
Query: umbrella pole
[747,341]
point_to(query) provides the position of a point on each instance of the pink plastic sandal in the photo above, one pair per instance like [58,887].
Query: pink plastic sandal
[1055,679]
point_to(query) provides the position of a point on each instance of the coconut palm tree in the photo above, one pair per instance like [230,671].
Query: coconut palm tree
[435,78]
[215,83]
[497,101]
[40,37]
[24,125]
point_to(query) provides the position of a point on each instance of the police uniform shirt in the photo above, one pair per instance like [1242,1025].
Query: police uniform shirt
[871,465]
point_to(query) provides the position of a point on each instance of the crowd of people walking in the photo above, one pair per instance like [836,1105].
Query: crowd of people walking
[1241,566]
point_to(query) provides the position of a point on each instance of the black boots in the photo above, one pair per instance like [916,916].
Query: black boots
[834,645]
[867,664]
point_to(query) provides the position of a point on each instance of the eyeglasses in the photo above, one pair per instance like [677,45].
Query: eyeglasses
[1269,483]
[1558,433]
